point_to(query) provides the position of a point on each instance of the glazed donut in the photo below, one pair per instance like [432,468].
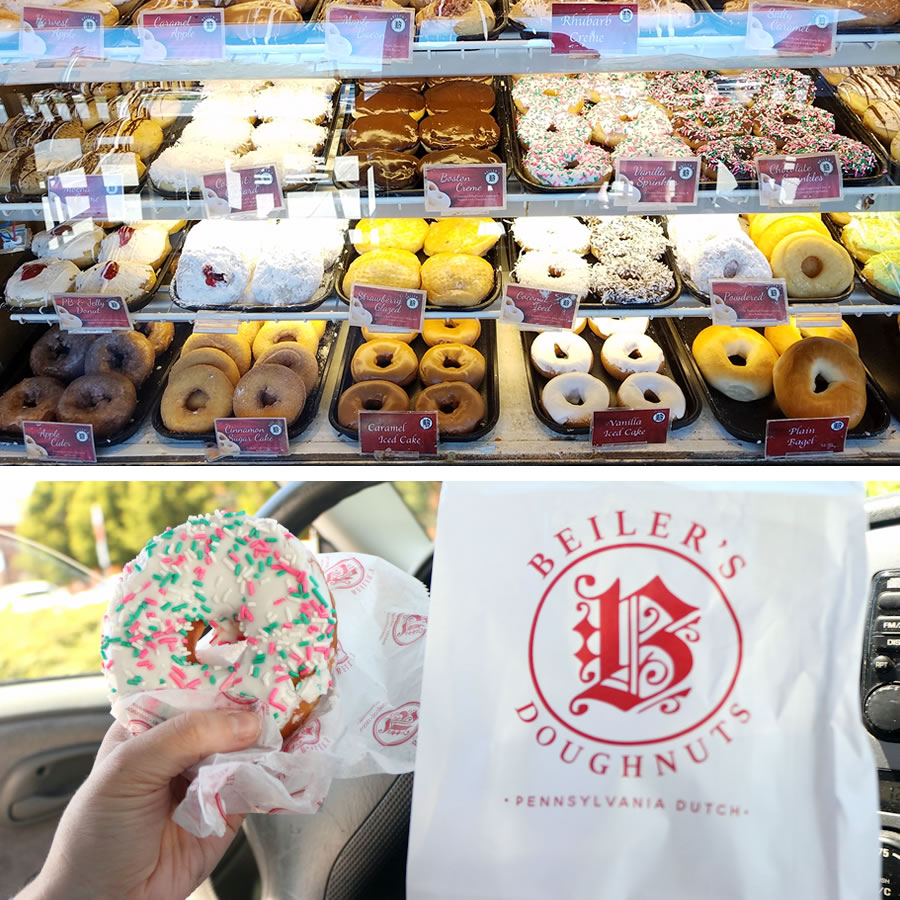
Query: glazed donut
[194,398]
[376,396]
[572,398]
[406,336]
[306,333]
[736,154]
[556,352]
[736,361]
[627,352]
[31,400]
[459,406]
[105,401]
[607,326]
[557,270]
[127,353]
[208,356]
[160,335]
[559,163]
[457,279]
[452,362]
[451,331]
[297,358]
[282,671]
[812,265]
[270,391]
[232,344]
[819,378]
[384,361]
[60,354]
[650,390]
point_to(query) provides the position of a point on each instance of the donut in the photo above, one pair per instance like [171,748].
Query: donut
[651,390]
[762,86]
[459,406]
[614,237]
[391,361]
[459,126]
[556,352]
[790,122]
[729,255]
[453,95]
[558,270]
[452,362]
[631,279]
[812,265]
[160,335]
[883,270]
[451,331]
[683,90]
[613,119]
[627,352]
[606,326]
[539,124]
[194,398]
[390,268]
[736,361]
[249,330]
[389,234]
[208,356]
[297,358]
[551,233]
[700,126]
[737,154]
[406,336]
[270,391]
[60,354]
[819,378]
[457,279]
[857,160]
[261,592]
[572,398]
[31,400]
[107,402]
[782,336]
[232,344]
[534,90]
[127,353]
[377,396]
[559,163]
[474,236]
[306,333]
[658,146]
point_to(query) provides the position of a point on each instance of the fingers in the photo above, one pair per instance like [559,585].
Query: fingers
[115,736]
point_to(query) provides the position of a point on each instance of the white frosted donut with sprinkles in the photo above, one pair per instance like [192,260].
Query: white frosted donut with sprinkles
[258,589]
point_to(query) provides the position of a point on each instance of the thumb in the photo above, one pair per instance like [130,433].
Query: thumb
[152,759]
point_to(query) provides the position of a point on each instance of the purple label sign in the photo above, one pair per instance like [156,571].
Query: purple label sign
[398,432]
[92,314]
[538,308]
[55,33]
[751,303]
[658,181]
[59,442]
[797,437]
[86,199]
[252,437]
[182,34]
[594,29]
[630,426]
[791,30]
[369,33]
[254,189]
[392,309]
[468,187]
[789,180]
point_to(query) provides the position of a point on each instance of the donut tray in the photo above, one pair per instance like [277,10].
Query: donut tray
[494,256]
[879,349]
[747,421]
[675,367]
[592,302]
[147,396]
[307,415]
[881,295]
[489,388]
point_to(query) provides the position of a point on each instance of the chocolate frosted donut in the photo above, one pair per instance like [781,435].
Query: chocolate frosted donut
[391,99]
[459,95]
[59,354]
[105,401]
[393,170]
[391,131]
[461,126]
[370,85]
[31,400]
[458,156]
[124,353]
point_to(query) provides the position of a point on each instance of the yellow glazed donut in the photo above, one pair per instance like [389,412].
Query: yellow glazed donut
[457,279]
[232,344]
[782,336]
[389,234]
[390,268]
[812,265]
[272,333]
[736,361]
[475,236]
[451,331]
[406,336]
[384,361]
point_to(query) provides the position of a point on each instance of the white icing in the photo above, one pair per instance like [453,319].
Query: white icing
[131,282]
[632,390]
[615,354]
[552,233]
[287,274]
[558,270]
[233,135]
[181,167]
[78,242]
[298,132]
[57,277]
[577,355]
[572,398]
[294,100]
[148,246]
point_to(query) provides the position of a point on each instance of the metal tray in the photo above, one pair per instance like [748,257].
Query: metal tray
[310,409]
[590,302]
[493,256]
[736,23]
[747,421]
[878,293]
[676,368]
[489,388]
[147,396]
[879,349]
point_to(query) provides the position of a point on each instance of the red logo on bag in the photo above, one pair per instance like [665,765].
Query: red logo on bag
[340,656]
[397,726]
[408,628]
[309,734]
[348,573]
[655,656]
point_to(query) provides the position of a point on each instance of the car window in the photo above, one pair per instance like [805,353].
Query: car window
[422,499]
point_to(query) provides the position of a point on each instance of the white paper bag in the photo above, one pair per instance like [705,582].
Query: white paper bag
[645,692]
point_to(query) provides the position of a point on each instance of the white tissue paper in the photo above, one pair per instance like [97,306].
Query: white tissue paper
[367,724]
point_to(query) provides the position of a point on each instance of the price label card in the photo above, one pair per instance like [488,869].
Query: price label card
[799,180]
[630,426]
[801,437]
[59,442]
[369,33]
[255,190]
[14,237]
[79,196]
[591,29]
[386,308]
[392,433]
[182,34]
[216,325]
[786,30]
[819,319]
[751,303]
[92,314]
[56,33]
[467,188]
[252,437]
[655,182]
[538,309]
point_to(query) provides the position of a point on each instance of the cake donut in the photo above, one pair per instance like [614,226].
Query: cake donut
[652,390]
[459,406]
[572,398]
[297,358]
[31,400]
[256,586]
[556,352]
[558,270]
[160,335]
[107,402]
[60,354]
[451,331]
[627,352]
[373,396]
[207,356]
[126,353]
[452,362]
[194,398]
[269,391]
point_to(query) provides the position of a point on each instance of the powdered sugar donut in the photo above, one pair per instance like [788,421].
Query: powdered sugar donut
[605,326]
[627,352]
[558,163]
[551,233]
[213,269]
[651,390]
[263,594]
[538,124]
[287,274]
[558,270]
[556,352]
[727,256]
[572,398]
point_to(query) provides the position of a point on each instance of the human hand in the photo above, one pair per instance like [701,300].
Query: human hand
[117,839]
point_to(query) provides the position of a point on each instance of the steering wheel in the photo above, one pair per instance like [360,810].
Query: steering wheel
[354,847]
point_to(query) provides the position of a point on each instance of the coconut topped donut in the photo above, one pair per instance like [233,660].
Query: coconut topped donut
[273,621]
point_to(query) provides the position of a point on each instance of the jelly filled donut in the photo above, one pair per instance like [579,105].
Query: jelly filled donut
[105,401]
[59,354]
[384,361]
[126,353]
[374,396]
[452,362]
[270,391]
[239,576]
[459,406]
[31,400]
